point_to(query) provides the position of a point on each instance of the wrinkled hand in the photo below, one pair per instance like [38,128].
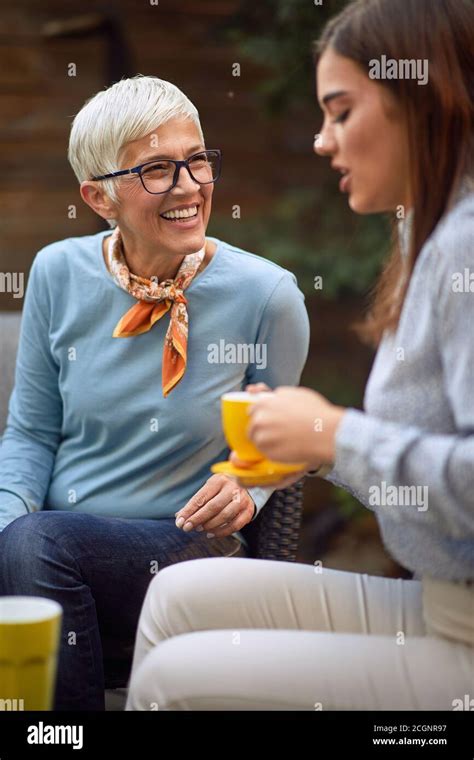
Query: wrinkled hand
[220,507]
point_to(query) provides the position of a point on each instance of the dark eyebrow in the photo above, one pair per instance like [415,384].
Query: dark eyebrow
[157,157]
[331,95]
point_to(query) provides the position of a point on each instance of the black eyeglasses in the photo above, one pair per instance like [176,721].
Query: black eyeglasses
[161,175]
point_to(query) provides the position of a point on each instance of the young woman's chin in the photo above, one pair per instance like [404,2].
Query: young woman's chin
[361,203]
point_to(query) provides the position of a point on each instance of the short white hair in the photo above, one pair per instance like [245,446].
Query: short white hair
[126,111]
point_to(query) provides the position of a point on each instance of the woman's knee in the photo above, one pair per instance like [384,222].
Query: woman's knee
[20,536]
[180,597]
[53,526]
[193,582]
[153,685]
[35,527]
[28,546]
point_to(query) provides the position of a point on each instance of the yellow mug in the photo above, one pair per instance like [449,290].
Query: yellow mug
[30,631]
[235,423]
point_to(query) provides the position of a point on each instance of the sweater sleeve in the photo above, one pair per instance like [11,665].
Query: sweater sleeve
[11,507]
[370,450]
[34,421]
[284,337]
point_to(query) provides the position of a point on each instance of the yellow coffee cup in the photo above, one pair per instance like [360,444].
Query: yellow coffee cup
[30,630]
[235,423]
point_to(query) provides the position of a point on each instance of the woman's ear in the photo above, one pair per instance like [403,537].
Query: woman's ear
[98,200]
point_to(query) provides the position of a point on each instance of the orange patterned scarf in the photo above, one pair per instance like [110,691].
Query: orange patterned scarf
[155,300]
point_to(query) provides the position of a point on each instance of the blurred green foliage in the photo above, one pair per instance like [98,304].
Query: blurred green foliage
[313,240]
[309,230]
[279,35]
[348,506]
[335,386]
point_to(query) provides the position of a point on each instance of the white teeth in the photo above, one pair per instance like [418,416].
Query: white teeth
[182,213]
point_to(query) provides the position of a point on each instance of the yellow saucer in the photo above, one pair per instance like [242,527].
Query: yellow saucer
[264,473]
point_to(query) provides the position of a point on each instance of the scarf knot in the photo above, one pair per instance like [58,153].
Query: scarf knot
[154,301]
[169,292]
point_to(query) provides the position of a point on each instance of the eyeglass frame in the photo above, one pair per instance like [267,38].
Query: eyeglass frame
[178,166]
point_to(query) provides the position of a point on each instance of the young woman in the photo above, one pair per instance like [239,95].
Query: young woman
[268,635]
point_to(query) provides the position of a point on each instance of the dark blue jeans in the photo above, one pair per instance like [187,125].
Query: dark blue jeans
[98,569]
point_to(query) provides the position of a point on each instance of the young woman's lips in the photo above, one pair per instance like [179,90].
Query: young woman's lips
[185,223]
[344,184]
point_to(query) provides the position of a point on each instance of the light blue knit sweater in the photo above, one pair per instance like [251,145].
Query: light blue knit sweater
[88,428]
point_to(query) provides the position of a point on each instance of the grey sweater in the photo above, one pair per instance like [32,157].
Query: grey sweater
[409,455]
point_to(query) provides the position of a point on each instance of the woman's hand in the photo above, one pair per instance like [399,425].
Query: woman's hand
[297,403]
[285,482]
[221,506]
[295,425]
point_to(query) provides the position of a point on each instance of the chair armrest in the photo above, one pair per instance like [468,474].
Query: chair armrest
[274,534]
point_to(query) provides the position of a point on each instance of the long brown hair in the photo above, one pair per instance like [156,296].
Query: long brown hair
[439,116]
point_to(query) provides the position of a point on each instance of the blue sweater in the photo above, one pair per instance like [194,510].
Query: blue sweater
[410,455]
[88,428]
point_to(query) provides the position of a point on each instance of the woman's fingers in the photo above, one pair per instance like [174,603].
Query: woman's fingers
[240,504]
[257,388]
[225,514]
[239,462]
[252,388]
[214,496]
[236,524]
[219,502]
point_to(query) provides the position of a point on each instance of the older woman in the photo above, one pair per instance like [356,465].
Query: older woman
[114,420]
[301,637]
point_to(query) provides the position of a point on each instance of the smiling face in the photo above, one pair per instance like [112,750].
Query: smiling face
[364,135]
[140,215]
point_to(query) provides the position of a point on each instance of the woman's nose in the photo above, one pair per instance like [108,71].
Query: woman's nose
[185,181]
[324,143]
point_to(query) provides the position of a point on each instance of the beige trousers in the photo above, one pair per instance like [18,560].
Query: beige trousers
[244,634]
